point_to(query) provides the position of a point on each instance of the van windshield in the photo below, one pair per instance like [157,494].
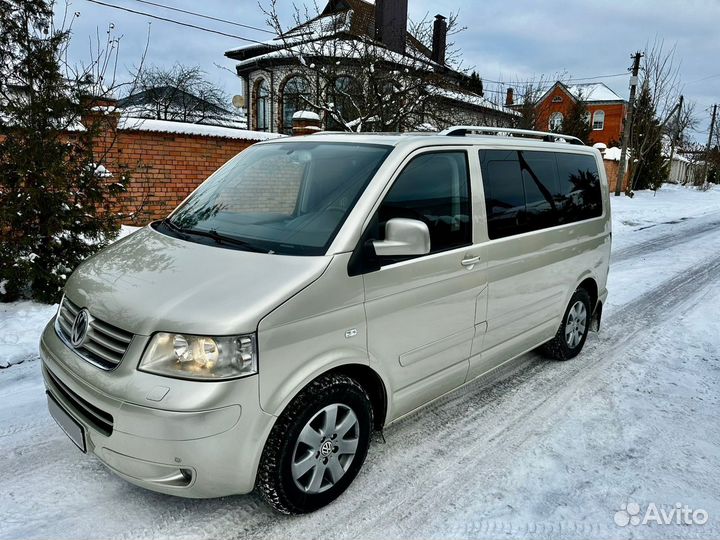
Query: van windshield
[287,198]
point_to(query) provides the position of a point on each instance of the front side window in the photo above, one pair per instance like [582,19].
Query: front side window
[598,120]
[295,97]
[285,198]
[433,188]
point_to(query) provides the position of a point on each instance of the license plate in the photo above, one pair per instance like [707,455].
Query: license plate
[67,423]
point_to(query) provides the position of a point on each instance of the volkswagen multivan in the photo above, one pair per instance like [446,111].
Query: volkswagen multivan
[317,288]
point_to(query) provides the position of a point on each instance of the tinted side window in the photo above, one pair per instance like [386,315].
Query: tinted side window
[435,189]
[504,193]
[580,187]
[527,190]
[542,189]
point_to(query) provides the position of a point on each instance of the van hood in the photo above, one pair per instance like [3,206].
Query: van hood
[149,282]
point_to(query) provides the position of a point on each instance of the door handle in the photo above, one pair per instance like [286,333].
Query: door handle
[469,262]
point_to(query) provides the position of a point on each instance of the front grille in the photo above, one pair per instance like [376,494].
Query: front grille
[95,417]
[105,344]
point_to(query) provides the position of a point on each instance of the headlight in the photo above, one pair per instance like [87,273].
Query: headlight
[200,357]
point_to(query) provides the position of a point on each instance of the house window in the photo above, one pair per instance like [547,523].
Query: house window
[344,95]
[598,120]
[262,106]
[295,97]
[586,118]
[556,120]
[557,99]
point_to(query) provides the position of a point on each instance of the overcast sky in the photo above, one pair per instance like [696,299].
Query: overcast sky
[505,41]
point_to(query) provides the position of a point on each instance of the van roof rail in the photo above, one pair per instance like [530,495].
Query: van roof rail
[461,131]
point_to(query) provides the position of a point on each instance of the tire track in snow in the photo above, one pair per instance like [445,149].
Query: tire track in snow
[688,230]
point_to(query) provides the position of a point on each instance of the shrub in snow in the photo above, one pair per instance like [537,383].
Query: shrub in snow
[54,192]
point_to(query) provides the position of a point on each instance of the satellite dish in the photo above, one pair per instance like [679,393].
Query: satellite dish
[238,102]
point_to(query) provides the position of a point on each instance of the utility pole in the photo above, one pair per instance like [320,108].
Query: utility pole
[709,143]
[675,136]
[628,123]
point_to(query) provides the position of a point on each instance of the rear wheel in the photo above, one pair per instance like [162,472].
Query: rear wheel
[573,331]
[317,446]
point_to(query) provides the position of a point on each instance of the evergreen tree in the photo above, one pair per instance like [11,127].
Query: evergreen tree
[648,165]
[577,121]
[54,206]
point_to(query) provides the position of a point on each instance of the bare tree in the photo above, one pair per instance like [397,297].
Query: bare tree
[180,93]
[659,95]
[356,83]
[423,32]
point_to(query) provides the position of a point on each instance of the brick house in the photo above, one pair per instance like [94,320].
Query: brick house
[275,82]
[606,110]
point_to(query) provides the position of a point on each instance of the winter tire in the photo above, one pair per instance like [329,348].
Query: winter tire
[573,331]
[317,446]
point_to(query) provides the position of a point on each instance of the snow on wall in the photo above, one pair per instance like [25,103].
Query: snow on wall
[182,128]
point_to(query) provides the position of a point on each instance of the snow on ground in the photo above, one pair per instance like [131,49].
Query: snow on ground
[21,324]
[545,449]
[649,210]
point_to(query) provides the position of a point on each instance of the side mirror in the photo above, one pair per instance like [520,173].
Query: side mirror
[403,237]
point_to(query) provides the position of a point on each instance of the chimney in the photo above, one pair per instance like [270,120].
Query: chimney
[391,23]
[510,97]
[439,40]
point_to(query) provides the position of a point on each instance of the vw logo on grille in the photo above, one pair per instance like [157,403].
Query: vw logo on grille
[80,328]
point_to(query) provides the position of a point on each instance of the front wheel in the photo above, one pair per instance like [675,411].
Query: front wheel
[573,331]
[317,446]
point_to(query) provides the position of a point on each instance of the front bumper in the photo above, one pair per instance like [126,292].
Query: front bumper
[199,439]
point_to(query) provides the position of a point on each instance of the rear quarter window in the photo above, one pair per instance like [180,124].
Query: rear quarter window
[532,190]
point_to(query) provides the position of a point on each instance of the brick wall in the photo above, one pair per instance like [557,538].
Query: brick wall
[166,167]
[163,167]
[611,170]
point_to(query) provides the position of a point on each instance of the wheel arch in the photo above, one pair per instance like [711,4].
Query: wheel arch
[366,376]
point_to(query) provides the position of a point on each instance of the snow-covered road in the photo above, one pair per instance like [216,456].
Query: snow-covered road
[545,449]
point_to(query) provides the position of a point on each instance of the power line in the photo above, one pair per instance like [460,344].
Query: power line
[165,19]
[572,79]
[209,17]
[704,78]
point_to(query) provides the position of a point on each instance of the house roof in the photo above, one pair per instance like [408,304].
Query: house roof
[591,92]
[349,18]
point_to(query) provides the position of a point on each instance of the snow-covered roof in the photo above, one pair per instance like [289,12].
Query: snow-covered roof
[183,128]
[306,115]
[612,153]
[472,99]
[593,92]
[342,49]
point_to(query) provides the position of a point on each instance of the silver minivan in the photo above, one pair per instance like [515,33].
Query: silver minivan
[317,288]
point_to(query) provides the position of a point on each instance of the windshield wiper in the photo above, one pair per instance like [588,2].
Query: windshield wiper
[180,231]
[222,239]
